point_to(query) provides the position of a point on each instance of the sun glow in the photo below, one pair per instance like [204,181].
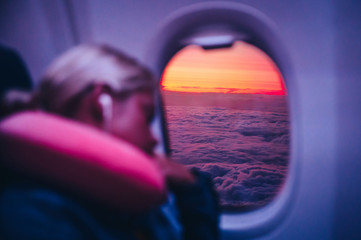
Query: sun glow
[242,68]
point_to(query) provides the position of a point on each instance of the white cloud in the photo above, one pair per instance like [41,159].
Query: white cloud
[245,151]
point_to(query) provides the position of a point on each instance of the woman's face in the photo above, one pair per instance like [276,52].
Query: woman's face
[132,118]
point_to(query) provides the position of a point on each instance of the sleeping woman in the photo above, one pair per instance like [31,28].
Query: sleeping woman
[102,87]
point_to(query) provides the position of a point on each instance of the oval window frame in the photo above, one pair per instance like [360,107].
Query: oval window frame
[250,25]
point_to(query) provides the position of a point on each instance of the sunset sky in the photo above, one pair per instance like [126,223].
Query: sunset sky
[240,69]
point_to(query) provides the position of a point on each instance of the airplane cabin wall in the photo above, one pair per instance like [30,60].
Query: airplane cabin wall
[325,87]
[347,218]
[38,30]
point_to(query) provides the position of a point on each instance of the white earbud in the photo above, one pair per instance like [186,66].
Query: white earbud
[106,102]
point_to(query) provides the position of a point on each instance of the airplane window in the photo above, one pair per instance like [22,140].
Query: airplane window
[227,114]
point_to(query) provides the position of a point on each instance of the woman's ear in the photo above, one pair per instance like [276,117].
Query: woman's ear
[102,105]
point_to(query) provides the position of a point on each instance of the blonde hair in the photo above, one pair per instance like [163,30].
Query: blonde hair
[80,68]
[74,73]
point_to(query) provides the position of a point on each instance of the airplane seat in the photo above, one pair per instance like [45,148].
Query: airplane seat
[81,160]
[13,74]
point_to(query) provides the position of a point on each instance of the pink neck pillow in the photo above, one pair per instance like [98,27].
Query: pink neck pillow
[81,159]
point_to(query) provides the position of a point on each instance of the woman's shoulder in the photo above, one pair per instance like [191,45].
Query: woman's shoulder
[38,212]
[45,213]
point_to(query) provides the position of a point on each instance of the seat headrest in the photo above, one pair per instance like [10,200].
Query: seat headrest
[81,159]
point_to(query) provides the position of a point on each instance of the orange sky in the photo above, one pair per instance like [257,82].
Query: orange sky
[240,69]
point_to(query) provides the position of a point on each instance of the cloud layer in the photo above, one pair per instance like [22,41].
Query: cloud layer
[245,151]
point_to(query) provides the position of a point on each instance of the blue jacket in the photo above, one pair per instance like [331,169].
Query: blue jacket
[34,211]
